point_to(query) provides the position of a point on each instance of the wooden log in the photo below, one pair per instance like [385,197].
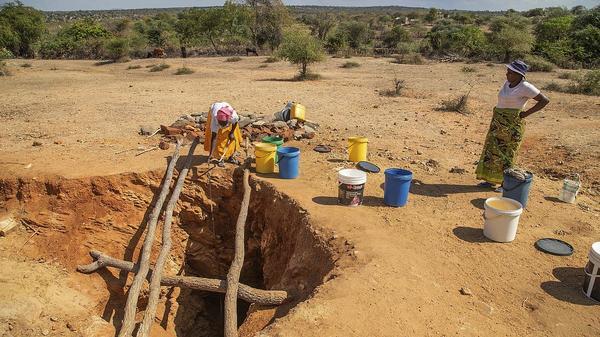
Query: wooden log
[245,292]
[150,312]
[233,276]
[138,280]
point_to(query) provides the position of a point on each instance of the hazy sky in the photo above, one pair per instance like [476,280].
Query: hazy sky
[447,4]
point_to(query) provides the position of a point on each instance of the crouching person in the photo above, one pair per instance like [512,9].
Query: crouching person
[223,137]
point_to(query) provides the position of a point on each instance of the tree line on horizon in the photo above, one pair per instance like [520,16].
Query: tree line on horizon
[568,38]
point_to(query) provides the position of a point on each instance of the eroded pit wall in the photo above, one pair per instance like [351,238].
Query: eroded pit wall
[283,250]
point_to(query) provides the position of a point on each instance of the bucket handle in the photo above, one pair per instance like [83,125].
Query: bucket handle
[589,273]
[485,217]
[257,157]
[514,188]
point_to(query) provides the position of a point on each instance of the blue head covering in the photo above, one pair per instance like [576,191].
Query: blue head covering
[518,67]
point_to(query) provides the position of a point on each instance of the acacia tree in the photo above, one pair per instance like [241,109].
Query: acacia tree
[229,24]
[299,47]
[269,17]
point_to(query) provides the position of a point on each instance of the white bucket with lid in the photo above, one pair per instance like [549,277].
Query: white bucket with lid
[591,283]
[501,219]
[569,190]
[351,186]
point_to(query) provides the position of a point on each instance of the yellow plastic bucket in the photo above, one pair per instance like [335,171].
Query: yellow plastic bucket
[298,112]
[357,148]
[265,157]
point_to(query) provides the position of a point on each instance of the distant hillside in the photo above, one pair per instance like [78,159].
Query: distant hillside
[297,10]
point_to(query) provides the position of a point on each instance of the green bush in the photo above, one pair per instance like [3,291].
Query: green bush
[350,64]
[21,27]
[84,39]
[411,58]
[355,33]
[117,48]
[184,71]
[393,37]
[5,54]
[233,59]
[537,63]
[159,67]
[407,47]
[510,37]
[467,41]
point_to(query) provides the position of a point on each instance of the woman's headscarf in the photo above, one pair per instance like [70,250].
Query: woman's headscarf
[224,114]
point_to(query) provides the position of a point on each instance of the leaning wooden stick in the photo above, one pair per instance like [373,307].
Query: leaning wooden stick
[138,280]
[233,276]
[144,329]
[246,293]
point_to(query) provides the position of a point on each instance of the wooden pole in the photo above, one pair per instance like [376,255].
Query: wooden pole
[246,293]
[233,276]
[138,280]
[150,312]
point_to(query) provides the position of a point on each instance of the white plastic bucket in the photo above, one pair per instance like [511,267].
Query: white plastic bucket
[591,282]
[351,186]
[569,190]
[501,219]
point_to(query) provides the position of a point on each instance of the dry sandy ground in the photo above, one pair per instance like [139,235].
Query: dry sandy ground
[412,261]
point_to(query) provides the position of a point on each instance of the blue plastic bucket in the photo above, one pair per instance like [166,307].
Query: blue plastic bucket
[516,189]
[289,162]
[397,186]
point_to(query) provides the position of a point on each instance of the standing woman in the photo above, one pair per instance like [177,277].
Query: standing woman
[508,126]
[222,133]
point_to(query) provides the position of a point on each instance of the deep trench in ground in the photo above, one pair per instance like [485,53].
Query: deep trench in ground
[282,249]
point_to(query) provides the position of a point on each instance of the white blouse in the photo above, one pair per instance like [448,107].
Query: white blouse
[515,98]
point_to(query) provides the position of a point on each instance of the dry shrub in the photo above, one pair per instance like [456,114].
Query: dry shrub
[586,84]
[468,69]
[399,85]
[459,104]
[350,64]
[184,71]
[272,59]
[567,76]
[553,86]
[4,69]
[410,58]
[159,67]
[233,59]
